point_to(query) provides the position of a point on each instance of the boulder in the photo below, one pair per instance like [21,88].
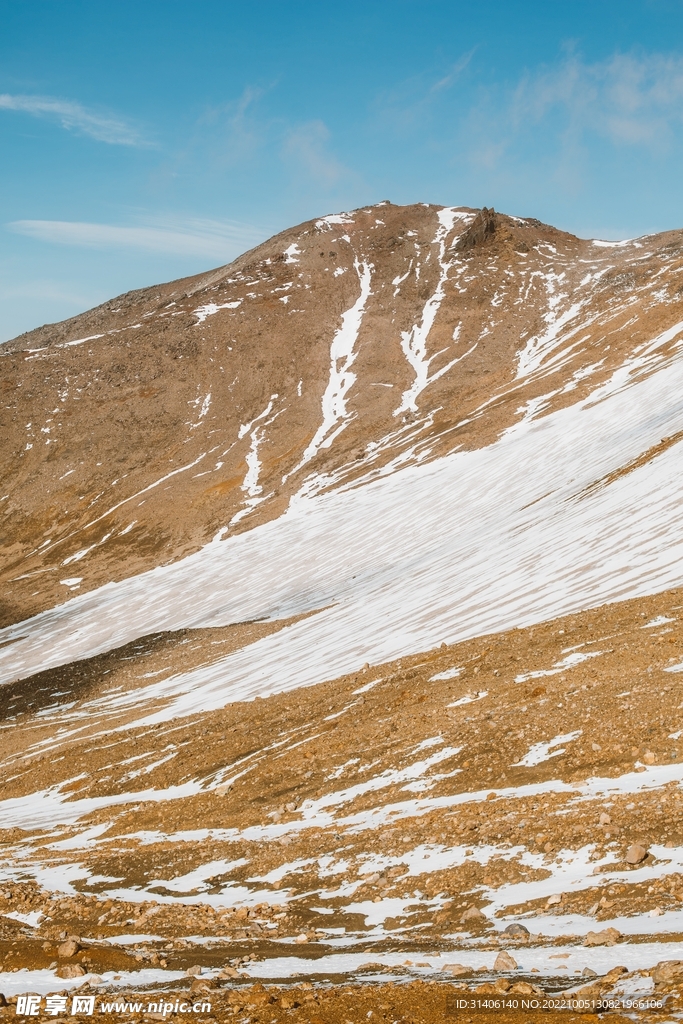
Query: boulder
[495,988]
[473,915]
[71,971]
[68,948]
[607,937]
[230,972]
[517,930]
[456,969]
[636,854]
[504,962]
[201,985]
[667,971]
[614,975]
[523,988]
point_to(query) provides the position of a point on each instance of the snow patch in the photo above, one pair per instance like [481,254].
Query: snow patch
[342,357]
[540,752]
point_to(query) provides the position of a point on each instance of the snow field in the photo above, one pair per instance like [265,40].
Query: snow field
[476,542]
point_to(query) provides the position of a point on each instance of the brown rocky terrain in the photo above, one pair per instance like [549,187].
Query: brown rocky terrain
[195,406]
[396,858]
[237,770]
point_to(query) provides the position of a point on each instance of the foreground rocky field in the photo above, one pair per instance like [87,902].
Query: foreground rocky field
[511,824]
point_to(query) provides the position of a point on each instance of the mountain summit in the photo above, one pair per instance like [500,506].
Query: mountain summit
[330,355]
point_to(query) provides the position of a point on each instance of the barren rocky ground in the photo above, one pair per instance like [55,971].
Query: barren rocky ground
[135,432]
[356,692]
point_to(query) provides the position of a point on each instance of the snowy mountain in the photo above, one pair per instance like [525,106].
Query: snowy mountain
[424,461]
[333,354]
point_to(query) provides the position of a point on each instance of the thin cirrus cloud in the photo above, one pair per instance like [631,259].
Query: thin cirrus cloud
[76,118]
[632,99]
[306,147]
[220,240]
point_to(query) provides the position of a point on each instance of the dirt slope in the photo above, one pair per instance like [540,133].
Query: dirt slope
[339,349]
[517,794]
[249,773]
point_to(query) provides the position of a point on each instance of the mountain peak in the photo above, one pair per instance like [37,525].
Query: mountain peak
[332,354]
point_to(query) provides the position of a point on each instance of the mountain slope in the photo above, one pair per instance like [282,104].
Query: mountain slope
[373,554]
[335,352]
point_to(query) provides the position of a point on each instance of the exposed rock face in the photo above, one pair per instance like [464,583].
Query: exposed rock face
[334,352]
[482,229]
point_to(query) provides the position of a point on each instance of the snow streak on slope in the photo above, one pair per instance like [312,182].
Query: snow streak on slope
[251,486]
[414,342]
[342,357]
[426,555]
[540,346]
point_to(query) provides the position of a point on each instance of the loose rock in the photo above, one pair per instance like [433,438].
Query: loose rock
[607,937]
[635,854]
[472,914]
[516,929]
[667,971]
[457,969]
[71,971]
[68,948]
[504,962]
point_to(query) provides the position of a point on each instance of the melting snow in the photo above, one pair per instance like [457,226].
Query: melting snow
[469,698]
[332,219]
[450,673]
[571,661]
[659,620]
[250,485]
[211,308]
[414,342]
[434,554]
[342,357]
[32,920]
[541,751]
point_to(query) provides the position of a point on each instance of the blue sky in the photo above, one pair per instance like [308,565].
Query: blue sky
[143,141]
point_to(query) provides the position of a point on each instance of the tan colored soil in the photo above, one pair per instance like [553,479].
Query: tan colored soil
[111,464]
[131,435]
[287,749]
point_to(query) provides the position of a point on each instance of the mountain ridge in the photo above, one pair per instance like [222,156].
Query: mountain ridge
[145,451]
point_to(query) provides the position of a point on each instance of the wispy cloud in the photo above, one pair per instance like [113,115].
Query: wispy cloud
[446,81]
[234,132]
[219,240]
[306,146]
[415,101]
[76,118]
[628,99]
